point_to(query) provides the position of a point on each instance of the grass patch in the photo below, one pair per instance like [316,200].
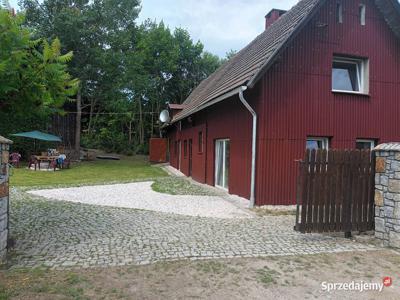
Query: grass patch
[180,186]
[213,267]
[92,172]
[40,281]
[267,276]
[273,212]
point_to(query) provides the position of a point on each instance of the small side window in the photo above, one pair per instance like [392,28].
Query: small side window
[365,144]
[362,9]
[317,143]
[200,141]
[339,13]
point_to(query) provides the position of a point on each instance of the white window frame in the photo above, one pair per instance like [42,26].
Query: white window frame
[323,140]
[362,66]
[370,141]
[224,141]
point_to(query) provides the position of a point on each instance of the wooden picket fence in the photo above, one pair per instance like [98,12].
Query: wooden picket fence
[336,191]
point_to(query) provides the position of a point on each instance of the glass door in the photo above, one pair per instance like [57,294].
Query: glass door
[222,148]
[190,156]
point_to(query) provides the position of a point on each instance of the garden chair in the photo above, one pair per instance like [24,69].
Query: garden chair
[15,158]
[63,163]
[33,161]
[66,163]
[52,165]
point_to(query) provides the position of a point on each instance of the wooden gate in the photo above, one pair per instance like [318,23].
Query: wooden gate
[336,191]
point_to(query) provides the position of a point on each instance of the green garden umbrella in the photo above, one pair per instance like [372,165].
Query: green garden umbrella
[38,135]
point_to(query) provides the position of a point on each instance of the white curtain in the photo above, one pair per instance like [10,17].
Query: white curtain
[218,162]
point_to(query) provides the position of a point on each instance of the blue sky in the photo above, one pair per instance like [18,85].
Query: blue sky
[220,24]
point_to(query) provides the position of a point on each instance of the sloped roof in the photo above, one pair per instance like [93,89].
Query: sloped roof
[3,140]
[248,65]
[391,12]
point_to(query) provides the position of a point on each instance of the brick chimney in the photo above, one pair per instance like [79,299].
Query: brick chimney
[272,16]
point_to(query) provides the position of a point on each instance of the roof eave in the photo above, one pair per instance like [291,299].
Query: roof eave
[207,104]
[393,23]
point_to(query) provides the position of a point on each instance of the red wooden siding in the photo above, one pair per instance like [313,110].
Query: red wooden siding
[297,100]
[294,100]
[230,120]
[158,150]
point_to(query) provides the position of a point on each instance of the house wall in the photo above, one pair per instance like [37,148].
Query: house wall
[228,119]
[296,98]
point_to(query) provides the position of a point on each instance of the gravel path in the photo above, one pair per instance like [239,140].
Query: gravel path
[141,196]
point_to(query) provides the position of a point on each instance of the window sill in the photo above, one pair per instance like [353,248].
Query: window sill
[350,93]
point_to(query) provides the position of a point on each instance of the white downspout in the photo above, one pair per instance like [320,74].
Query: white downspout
[253,146]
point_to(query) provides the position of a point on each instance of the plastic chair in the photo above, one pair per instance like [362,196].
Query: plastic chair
[33,161]
[15,158]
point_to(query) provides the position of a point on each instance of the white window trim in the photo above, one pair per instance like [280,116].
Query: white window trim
[362,74]
[324,140]
[370,141]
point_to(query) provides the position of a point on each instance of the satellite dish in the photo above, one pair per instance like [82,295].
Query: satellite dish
[164,116]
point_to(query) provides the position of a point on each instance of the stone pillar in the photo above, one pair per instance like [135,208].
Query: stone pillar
[387,194]
[4,192]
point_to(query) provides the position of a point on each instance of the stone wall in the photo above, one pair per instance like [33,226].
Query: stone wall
[387,194]
[4,192]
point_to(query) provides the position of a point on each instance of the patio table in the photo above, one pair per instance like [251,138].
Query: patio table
[50,159]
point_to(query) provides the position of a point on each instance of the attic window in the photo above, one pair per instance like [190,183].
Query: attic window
[339,13]
[362,9]
[350,75]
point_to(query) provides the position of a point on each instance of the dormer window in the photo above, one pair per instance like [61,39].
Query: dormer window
[350,75]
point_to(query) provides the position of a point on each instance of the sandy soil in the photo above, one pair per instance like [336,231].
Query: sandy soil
[286,277]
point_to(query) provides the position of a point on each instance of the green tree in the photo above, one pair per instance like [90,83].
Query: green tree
[128,72]
[33,73]
[165,67]
[98,32]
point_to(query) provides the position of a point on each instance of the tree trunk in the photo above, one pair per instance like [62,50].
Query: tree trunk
[78,123]
[130,133]
[92,105]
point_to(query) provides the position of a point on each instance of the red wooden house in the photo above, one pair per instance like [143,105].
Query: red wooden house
[323,74]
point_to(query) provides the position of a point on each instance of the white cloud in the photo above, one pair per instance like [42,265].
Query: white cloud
[220,25]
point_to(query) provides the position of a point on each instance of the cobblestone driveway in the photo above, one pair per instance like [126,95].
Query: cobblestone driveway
[62,234]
